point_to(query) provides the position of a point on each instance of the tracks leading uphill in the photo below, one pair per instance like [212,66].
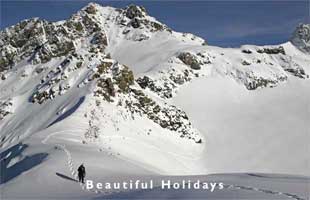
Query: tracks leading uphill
[70,163]
[74,175]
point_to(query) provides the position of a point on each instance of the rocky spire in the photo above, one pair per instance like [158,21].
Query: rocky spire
[301,37]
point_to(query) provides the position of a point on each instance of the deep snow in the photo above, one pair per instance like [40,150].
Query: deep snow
[253,139]
[261,131]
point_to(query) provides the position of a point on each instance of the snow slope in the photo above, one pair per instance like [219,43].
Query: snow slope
[262,131]
[130,98]
[54,177]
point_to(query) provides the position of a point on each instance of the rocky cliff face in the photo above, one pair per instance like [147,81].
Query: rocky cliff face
[301,37]
[39,41]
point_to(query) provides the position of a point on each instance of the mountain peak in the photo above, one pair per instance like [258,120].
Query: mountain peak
[91,5]
[301,37]
[133,11]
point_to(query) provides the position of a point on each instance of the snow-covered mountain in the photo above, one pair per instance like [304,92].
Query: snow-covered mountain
[59,64]
[301,37]
[108,81]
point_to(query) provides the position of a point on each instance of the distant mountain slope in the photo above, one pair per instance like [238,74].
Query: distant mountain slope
[301,37]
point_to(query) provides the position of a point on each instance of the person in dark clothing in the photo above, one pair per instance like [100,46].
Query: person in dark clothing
[81,173]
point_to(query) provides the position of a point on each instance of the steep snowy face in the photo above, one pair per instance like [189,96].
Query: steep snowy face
[41,62]
[48,70]
[44,40]
[114,71]
[301,37]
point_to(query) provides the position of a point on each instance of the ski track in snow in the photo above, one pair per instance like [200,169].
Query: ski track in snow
[75,176]
[293,196]
[70,163]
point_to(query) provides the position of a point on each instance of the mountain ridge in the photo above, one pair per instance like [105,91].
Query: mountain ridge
[115,72]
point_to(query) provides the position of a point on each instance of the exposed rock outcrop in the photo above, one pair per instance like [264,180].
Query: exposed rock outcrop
[190,60]
[301,37]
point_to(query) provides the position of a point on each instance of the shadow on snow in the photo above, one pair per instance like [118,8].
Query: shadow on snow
[13,163]
[69,112]
[66,177]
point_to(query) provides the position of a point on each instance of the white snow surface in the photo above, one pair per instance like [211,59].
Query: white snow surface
[255,141]
[272,122]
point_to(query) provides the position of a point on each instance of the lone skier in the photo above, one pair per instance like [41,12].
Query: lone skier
[81,173]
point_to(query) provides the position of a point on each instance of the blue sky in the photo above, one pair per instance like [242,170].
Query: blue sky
[222,23]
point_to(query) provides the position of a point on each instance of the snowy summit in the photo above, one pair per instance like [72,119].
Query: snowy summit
[127,96]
